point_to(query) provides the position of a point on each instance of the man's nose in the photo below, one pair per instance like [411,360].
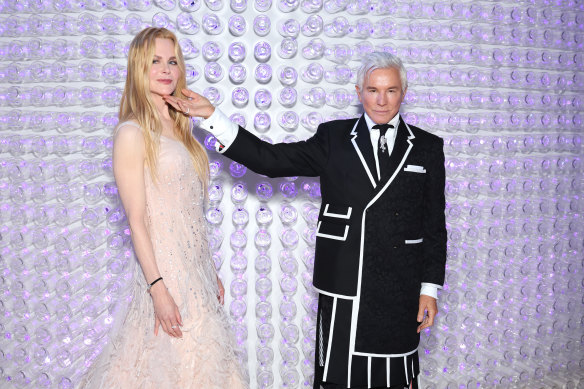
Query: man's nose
[381,99]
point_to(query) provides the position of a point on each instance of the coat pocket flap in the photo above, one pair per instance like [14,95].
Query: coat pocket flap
[332,231]
[337,211]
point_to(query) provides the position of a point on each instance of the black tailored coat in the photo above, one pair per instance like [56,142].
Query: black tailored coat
[377,241]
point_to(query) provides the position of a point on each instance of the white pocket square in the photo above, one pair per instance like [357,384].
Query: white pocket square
[415,169]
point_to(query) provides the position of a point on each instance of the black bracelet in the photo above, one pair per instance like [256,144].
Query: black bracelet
[153,282]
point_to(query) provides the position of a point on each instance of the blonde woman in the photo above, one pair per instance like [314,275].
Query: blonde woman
[176,333]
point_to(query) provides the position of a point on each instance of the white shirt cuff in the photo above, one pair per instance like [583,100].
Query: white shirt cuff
[430,289]
[222,128]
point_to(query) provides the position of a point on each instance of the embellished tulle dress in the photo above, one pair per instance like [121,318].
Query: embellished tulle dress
[205,357]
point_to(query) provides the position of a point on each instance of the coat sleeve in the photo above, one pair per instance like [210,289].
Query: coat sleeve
[434,245]
[304,158]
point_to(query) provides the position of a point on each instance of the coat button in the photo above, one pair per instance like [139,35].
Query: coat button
[396,213]
[395,247]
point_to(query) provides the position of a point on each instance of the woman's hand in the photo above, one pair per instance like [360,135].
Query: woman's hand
[165,311]
[221,295]
[193,105]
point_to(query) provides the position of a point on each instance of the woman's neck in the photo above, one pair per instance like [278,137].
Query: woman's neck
[166,121]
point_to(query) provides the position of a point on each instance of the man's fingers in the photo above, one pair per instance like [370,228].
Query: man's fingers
[189,93]
[173,103]
[170,99]
[425,324]
[427,310]
[431,316]
[422,308]
[420,314]
[177,104]
[428,322]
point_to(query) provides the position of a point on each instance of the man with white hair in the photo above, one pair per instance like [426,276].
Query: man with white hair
[381,234]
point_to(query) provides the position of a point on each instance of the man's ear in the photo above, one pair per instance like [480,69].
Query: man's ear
[358,92]
[404,94]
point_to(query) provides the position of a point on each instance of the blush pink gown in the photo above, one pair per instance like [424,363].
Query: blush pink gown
[205,357]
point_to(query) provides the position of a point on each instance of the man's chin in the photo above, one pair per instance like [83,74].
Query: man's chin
[380,119]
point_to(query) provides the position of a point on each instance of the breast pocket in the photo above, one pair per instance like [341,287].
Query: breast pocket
[334,223]
[415,169]
[413,178]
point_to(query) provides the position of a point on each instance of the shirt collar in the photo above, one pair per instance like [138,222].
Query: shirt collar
[370,123]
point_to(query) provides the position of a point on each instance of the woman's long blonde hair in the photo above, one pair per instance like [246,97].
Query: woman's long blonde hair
[137,103]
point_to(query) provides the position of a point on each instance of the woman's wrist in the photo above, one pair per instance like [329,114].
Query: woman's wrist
[157,279]
[156,287]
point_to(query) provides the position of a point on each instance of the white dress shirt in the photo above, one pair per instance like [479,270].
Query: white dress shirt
[374,133]
[225,131]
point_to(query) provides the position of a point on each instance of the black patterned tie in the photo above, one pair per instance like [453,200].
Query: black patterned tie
[382,152]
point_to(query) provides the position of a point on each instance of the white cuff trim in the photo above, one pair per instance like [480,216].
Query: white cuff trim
[429,289]
[222,128]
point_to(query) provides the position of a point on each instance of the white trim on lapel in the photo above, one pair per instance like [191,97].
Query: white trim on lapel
[363,162]
[357,299]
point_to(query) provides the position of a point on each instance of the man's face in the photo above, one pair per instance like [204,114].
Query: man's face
[382,94]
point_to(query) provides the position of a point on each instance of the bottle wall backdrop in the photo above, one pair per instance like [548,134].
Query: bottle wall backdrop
[501,81]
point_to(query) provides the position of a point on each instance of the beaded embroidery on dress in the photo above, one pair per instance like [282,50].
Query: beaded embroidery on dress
[205,357]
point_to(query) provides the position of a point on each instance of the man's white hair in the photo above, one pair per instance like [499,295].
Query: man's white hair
[381,60]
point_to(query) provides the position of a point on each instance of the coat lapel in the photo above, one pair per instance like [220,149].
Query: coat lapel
[362,143]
